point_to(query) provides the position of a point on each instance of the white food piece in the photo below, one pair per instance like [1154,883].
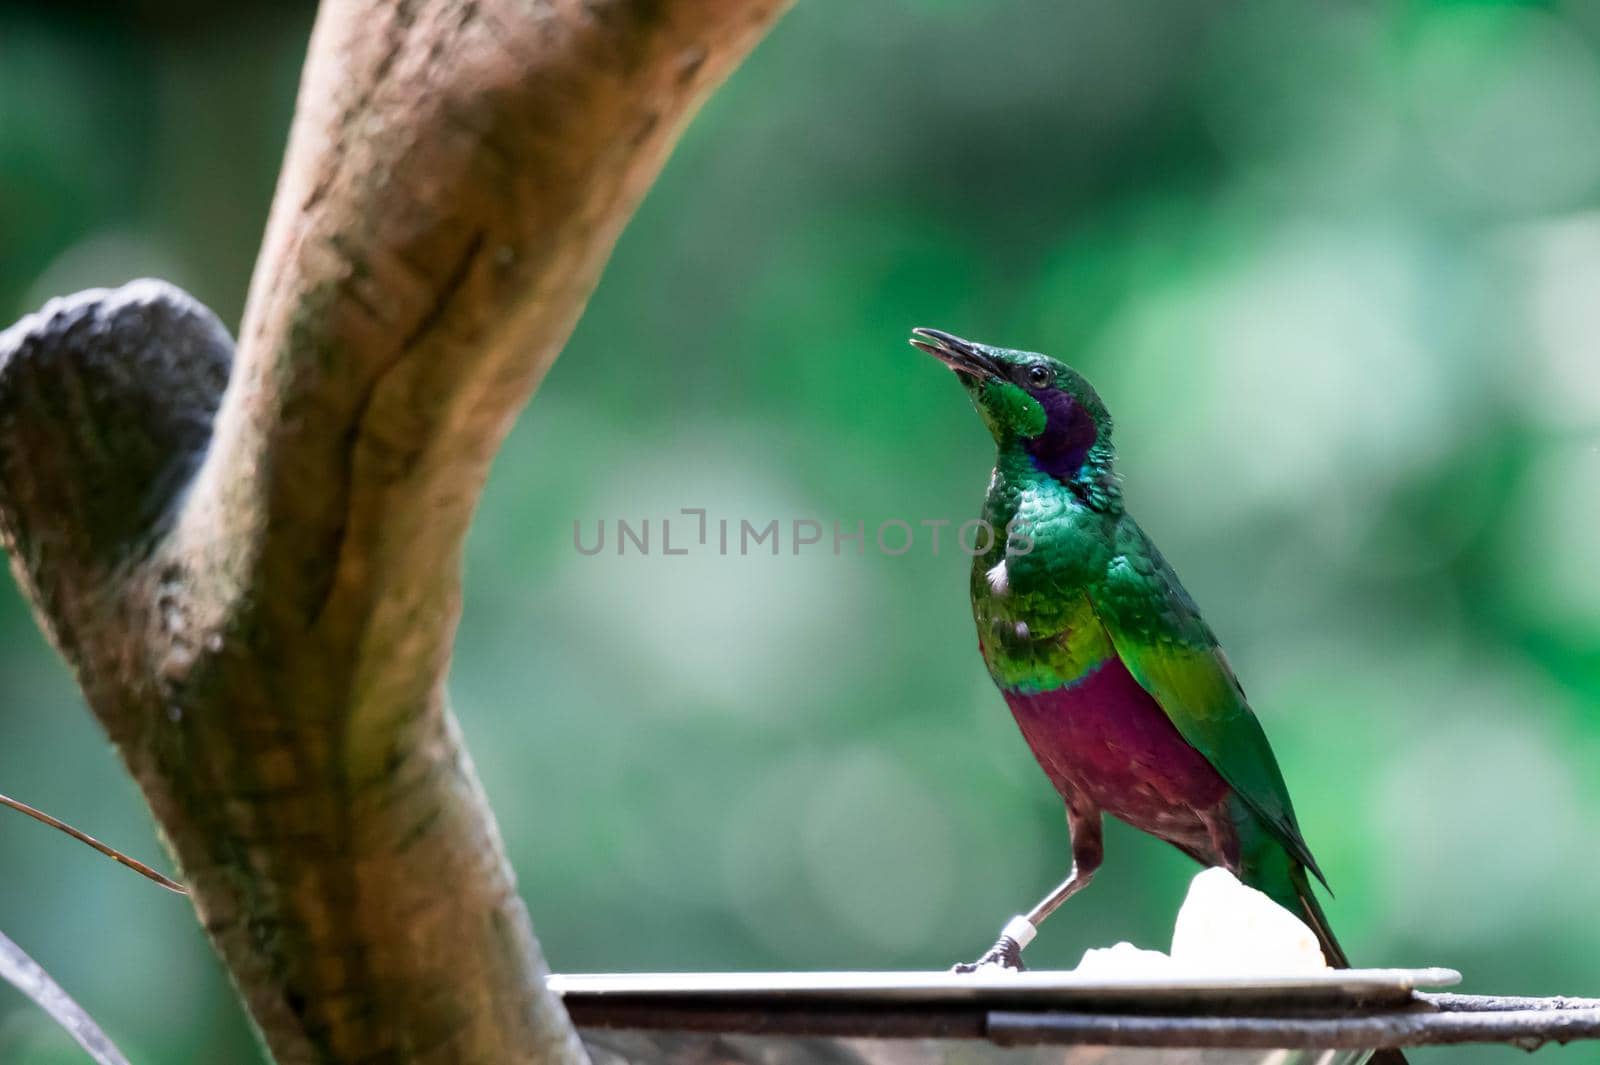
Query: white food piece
[1223,929]
[1123,960]
[1228,929]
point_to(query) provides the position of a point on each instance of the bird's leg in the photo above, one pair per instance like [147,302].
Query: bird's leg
[1087,851]
[1020,930]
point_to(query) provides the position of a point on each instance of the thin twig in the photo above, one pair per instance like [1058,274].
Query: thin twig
[29,977]
[83,837]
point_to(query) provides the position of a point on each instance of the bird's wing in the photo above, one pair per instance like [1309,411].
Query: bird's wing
[1164,642]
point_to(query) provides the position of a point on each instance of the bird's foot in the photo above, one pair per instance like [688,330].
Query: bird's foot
[1005,955]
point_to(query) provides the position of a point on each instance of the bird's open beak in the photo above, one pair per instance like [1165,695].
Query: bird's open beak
[962,356]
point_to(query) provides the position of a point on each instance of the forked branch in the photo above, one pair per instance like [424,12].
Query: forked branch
[258,587]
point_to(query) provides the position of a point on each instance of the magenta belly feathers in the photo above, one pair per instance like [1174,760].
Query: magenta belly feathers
[1105,740]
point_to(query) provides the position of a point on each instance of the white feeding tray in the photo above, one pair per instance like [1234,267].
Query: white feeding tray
[1034,990]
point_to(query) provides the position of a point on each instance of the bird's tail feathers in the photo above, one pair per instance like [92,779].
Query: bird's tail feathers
[1317,921]
[1311,913]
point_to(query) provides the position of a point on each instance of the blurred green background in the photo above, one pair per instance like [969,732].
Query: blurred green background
[1333,267]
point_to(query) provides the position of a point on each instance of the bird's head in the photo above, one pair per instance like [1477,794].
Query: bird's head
[1027,400]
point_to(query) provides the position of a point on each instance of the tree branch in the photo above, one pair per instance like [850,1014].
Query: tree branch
[260,605]
[1527,1027]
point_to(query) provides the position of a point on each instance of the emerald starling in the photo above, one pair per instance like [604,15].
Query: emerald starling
[1114,678]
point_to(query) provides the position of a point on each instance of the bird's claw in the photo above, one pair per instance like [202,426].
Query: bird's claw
[1005,955]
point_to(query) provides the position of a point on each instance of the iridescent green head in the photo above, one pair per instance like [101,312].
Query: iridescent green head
[1028,400]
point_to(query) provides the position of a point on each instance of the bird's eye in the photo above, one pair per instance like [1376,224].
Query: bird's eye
[1039,376]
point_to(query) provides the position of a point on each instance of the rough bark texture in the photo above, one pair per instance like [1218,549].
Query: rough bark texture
[251,562]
